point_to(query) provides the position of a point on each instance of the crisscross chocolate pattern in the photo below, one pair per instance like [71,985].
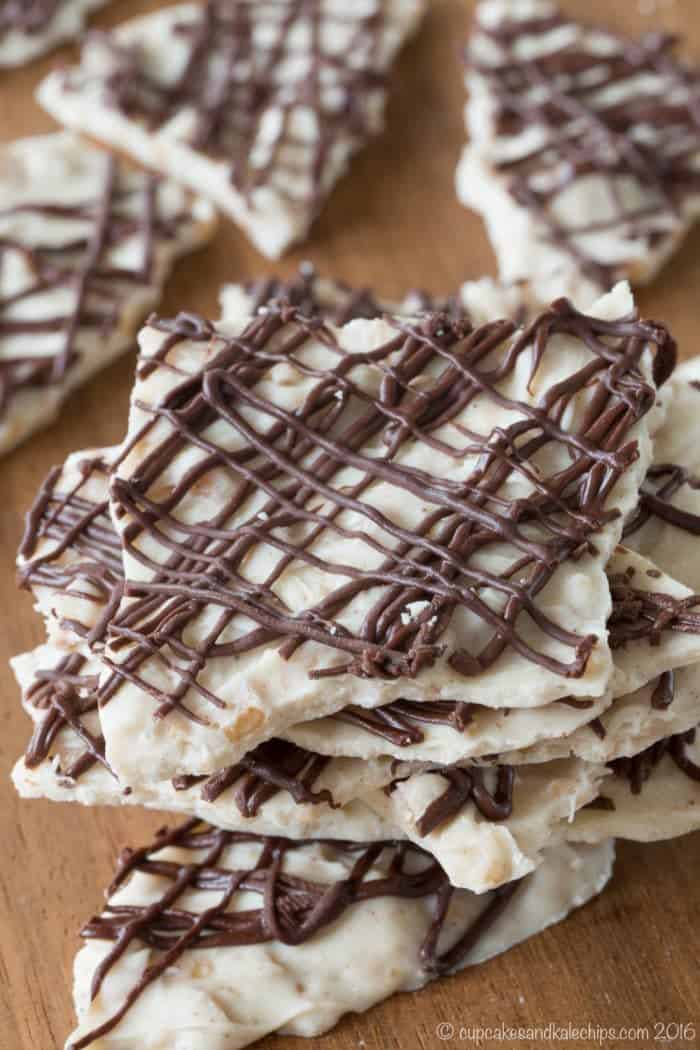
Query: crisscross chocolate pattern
[125,206]
[74,524]
[27,16]
[71,522]
[277,109]
[293,459]
[648,133]
[64,699]
[292,909]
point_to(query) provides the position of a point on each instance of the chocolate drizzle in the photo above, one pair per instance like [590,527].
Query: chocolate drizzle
[294,458]
[125,207]
[663,482]
[292,909]
[273,766]
[66,698]
[70,523]
[638,769]
[646,133]
[279,112]
[335,301]
[338,302]
[400,722]
[638,614]
[27,16]
[664,691]
[464,785]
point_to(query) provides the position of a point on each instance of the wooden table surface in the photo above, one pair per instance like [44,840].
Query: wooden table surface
[630,959]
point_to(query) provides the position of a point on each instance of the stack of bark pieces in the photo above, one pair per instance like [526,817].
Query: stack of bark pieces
[351,597]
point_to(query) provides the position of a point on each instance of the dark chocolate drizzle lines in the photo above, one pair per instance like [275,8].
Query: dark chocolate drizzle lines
[650,136]
[27,16]
[464,785]
[68,523]
[663,482]
[65,700]
[638,769]
[274,766]
[338,302]
[400,722]
[71,522]
[292,909]
[638,614]
[124,207]
[245,73]
[294,459]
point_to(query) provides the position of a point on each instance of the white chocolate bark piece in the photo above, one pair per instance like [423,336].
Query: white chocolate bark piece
[70,557]
[173,90]
[654,796]
[75,568]
[584,148]
[71,560]
[340,302]
[478,853]
[227,997]
[632,724]
[486,732]
[277,791]
[667,527]
[86,247]
[29,28]
[654,626]
[223,475]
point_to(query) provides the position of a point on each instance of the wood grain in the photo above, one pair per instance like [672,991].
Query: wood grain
[629,959]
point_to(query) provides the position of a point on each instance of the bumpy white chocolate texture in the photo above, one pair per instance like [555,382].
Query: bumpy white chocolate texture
[74,601]
[556,730]
[667,804]
[346,779]
[476,853]
[479,854]
[669,530]
[577,593]
[39,26]
[275,156]
[565,226]
[76,282]
[225,998]
[482,300]
[629,726]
